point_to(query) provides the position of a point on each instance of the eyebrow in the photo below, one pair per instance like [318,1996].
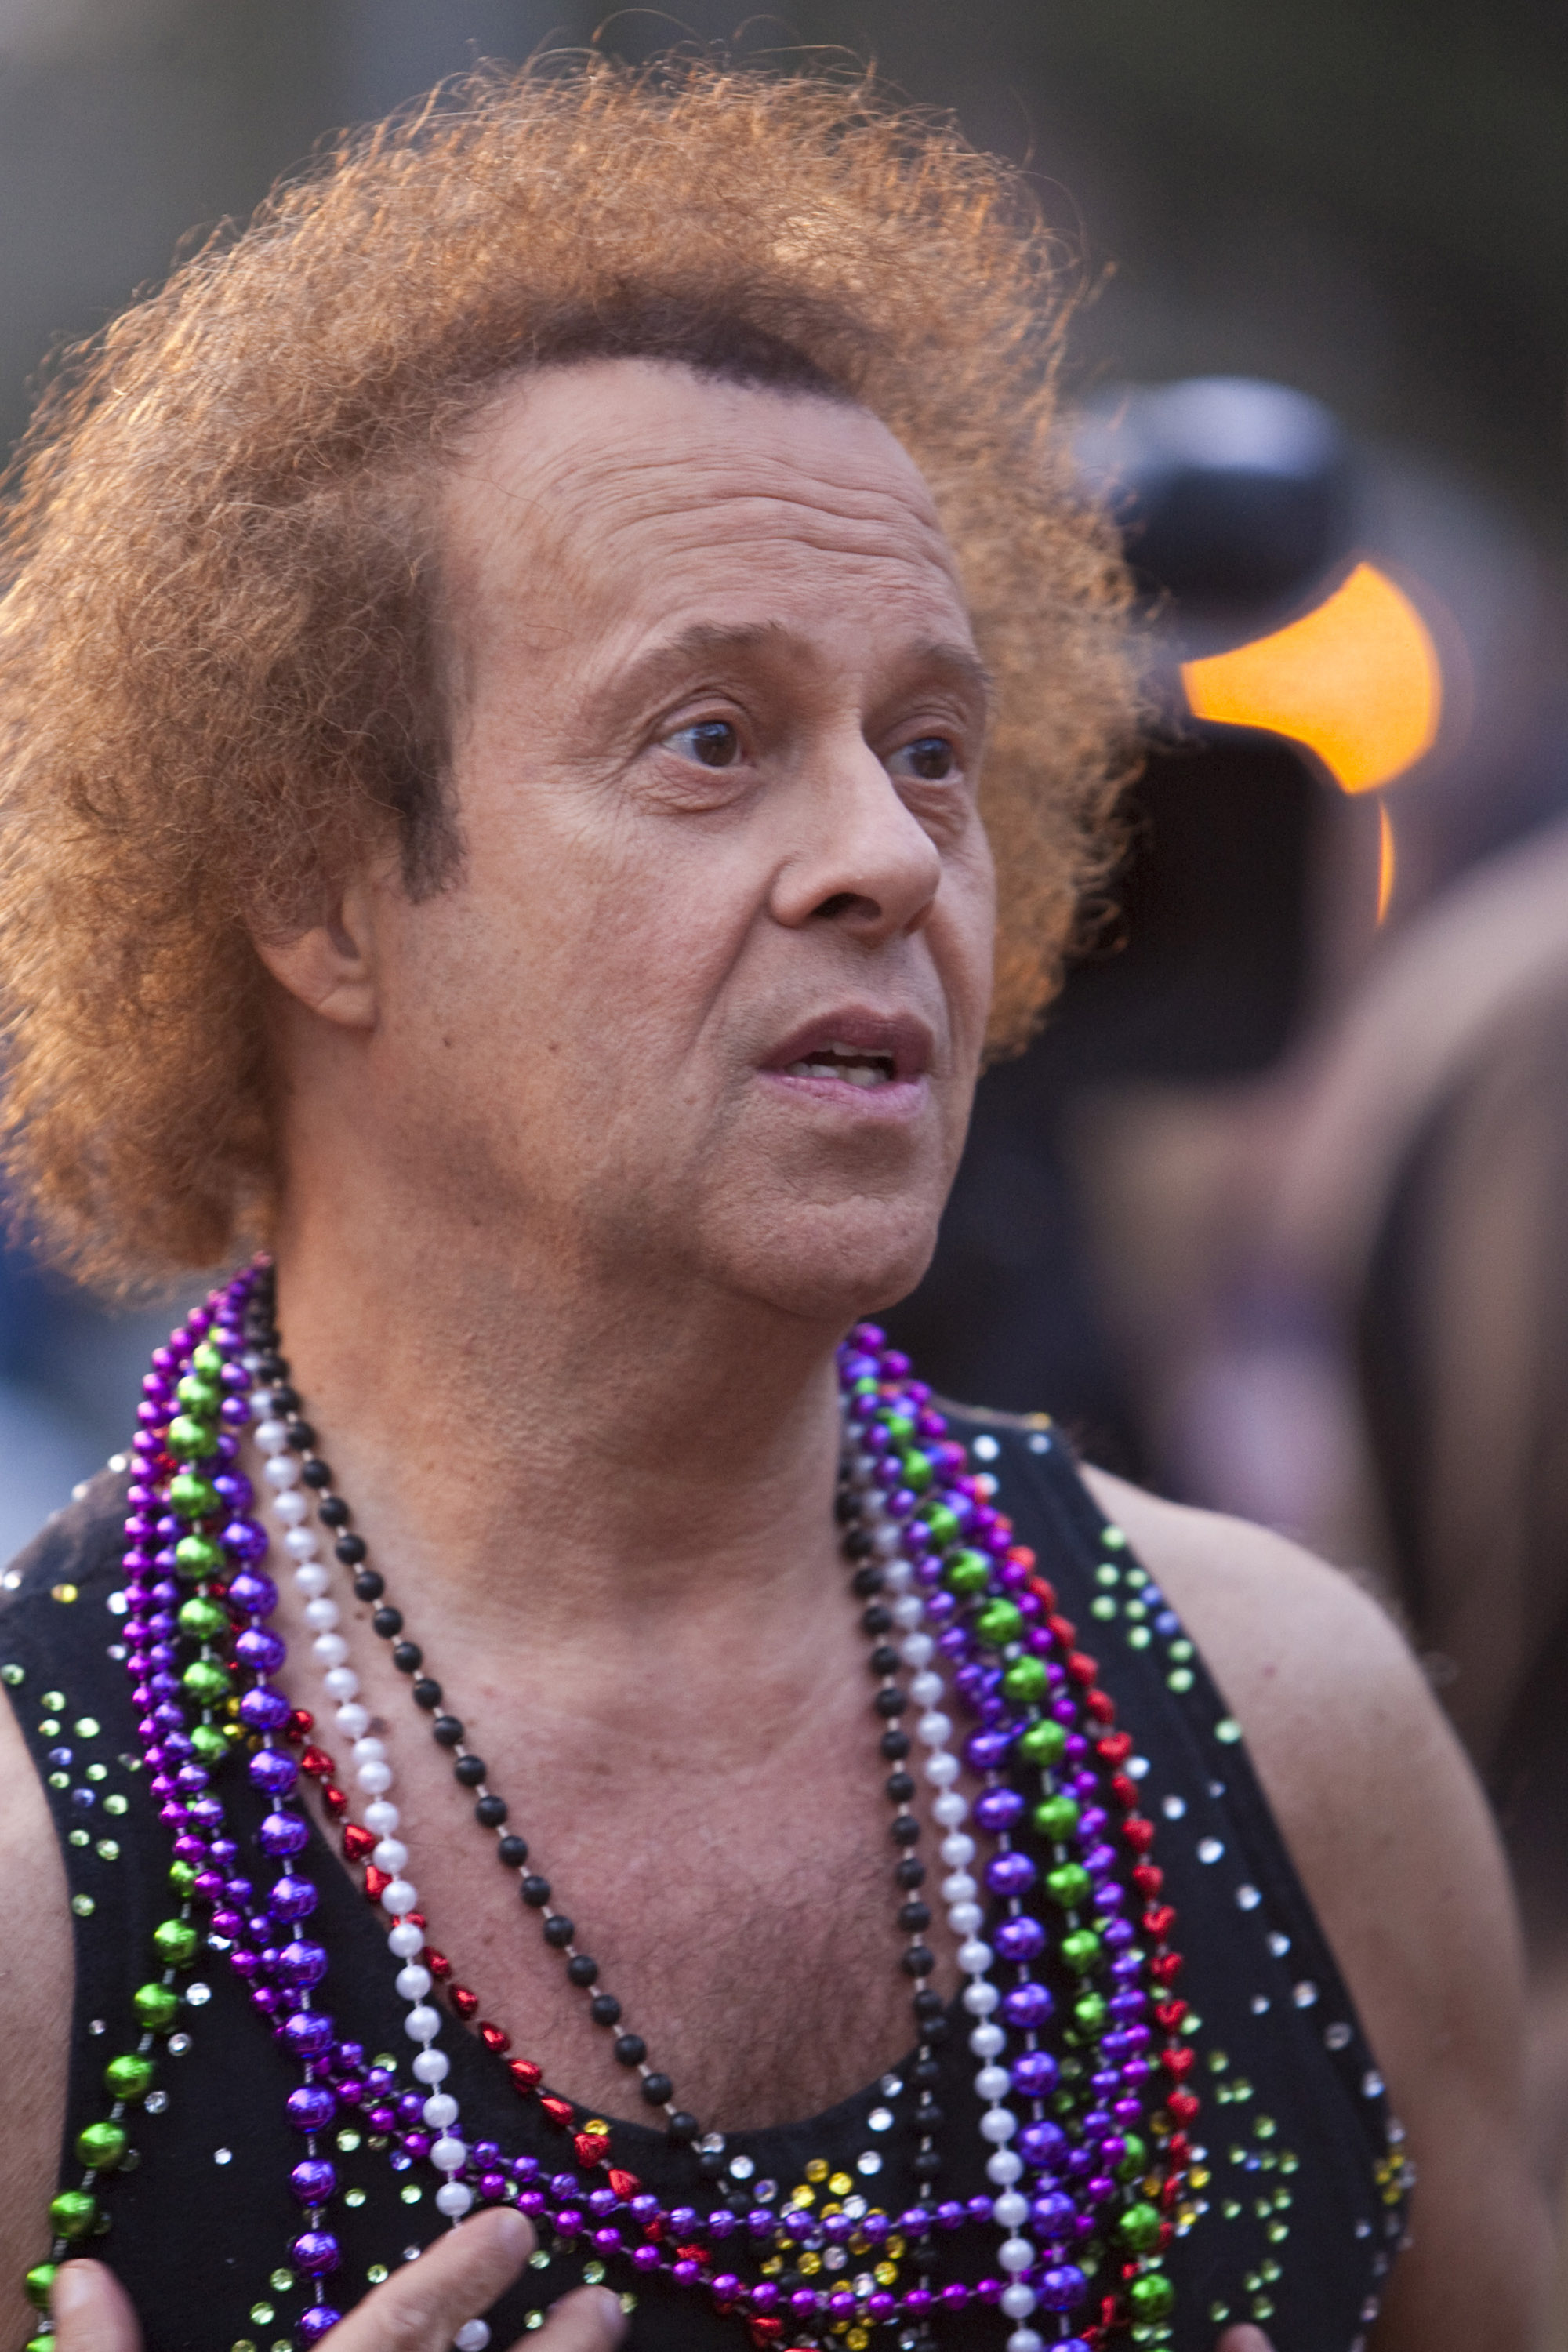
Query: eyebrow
[959,664]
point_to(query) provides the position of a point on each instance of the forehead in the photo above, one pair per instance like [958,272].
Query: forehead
[629,489]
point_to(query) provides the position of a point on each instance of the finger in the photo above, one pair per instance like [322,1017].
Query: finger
[91,2310]
[1243,2339]
[588,2320]
[421,2307]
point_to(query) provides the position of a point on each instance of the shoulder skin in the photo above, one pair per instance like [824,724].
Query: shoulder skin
[1396,1846]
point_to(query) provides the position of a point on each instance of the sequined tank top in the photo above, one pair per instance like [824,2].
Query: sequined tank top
[1294,2206]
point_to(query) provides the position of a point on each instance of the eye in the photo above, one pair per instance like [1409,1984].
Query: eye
[712,742]
[930,758]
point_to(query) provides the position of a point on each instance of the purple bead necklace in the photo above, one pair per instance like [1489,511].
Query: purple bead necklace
[931,1556]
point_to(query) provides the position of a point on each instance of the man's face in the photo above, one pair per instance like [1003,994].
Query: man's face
[710,993]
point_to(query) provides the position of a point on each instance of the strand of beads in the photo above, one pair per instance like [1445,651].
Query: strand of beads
[448,2152]
[290,2007]
[284,1964]
[622,2192]
[276,1438]
[374,1771]
[287,1431]
[917,1653]
[986,1598]
[871,1540]
[184,1489]
[280,1981]
[280,1440]
[674,2241]
[1111,2028]
[104,2146]
[959,1851]
[150,1625]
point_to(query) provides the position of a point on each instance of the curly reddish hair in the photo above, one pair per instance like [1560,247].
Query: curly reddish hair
[219,673]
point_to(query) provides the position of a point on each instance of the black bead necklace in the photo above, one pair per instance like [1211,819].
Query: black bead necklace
[491,1811]
[867,1549]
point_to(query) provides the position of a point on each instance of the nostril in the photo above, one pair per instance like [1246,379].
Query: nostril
[844,902]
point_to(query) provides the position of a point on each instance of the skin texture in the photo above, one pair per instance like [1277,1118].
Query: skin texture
[564,1253]
[419,2309]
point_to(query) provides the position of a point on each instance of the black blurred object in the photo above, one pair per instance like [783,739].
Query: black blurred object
[1236,502]
[1233,496]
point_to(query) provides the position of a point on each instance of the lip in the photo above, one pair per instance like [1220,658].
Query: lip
[901,1038]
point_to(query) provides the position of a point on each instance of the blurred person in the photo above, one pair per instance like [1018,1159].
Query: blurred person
[1419,1223]
[1234,500]
[1104,1218]
[558,697]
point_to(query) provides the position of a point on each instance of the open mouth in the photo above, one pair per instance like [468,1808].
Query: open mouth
[851,1065]
[874,1052]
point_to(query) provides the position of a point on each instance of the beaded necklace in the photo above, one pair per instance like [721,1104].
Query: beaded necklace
[1087,2139]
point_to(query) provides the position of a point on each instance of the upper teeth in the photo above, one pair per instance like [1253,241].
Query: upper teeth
[851,1063]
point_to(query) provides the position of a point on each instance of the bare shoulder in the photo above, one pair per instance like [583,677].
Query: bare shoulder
[1362,1772]
[1317,1673]
[35,1981]
[1396,1846]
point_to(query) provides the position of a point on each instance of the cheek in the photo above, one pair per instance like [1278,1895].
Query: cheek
[970,930]
[640,972]
[578,976]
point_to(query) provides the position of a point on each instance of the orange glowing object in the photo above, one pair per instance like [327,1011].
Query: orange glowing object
[1357,680]
[1388,861]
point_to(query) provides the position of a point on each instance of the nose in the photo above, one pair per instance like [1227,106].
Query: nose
[860,860]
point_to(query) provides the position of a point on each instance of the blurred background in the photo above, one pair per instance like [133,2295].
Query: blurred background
[1270,1214]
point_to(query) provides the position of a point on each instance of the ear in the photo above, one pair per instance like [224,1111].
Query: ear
[331,968]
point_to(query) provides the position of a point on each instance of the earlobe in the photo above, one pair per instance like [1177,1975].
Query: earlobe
[331,968]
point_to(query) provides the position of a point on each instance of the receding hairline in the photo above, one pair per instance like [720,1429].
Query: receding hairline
[452,565]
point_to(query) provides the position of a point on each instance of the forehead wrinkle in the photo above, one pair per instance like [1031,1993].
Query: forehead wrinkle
[777,433]
[778,530]
[695,501]
[609,577]
[558,483]
[717,475]
[754,539]
[564,449]
[695,567]
[607,523]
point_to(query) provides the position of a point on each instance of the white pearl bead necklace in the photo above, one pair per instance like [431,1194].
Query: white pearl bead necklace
[449,2154]
[965,1917]
[950,1809]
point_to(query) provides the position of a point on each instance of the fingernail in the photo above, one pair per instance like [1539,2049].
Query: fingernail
[516,2227]
[74,2287]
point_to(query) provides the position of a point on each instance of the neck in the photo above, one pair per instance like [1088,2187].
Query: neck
[526,1440]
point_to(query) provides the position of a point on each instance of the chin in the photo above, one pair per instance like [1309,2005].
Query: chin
[833,1265]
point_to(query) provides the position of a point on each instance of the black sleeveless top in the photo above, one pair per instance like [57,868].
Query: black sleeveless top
[1295,2206]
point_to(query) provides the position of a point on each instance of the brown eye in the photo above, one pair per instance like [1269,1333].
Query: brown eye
[712,743]
[930,758]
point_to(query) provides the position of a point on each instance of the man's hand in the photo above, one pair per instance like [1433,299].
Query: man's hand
[419,2309]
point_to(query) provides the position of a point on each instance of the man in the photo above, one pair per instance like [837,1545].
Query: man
[502,810]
